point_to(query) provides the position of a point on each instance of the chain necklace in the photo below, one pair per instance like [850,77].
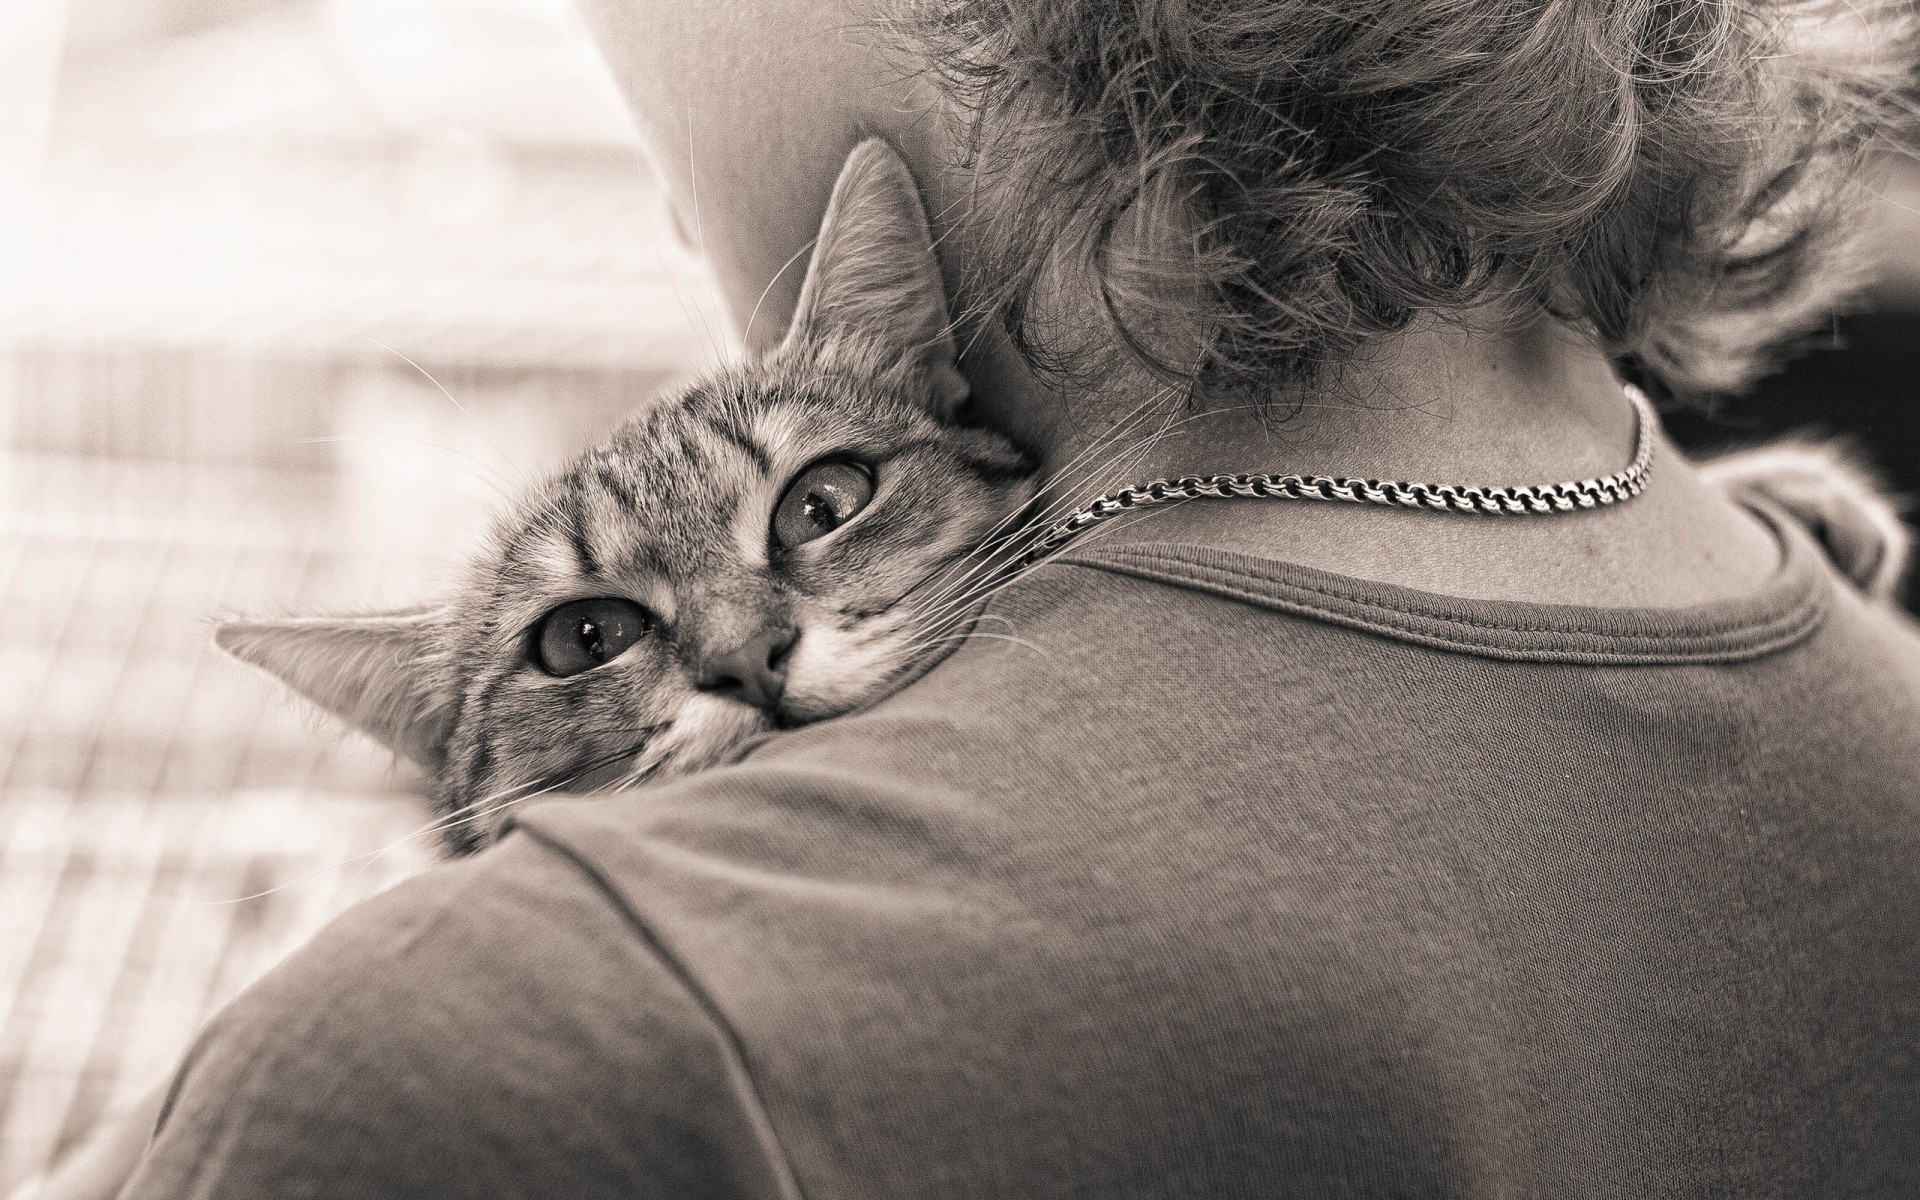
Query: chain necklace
[1525,499]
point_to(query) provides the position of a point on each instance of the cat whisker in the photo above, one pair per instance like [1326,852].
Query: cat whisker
[449,456]
[1007,530]
[1003,539]
[1002,542]
[699,232]
[635,778]
[1043,519]
[963,605]
[428,375]
[746,335]
[956,588]
[958,636]
[487,807]
[688,312]
[966,604]
[1059,476]
[985,564]
[438,825]
[693,313]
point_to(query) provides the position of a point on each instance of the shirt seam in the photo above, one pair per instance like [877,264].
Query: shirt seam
[1651,651]
[1144,561]
[733,1045]
[1728,639]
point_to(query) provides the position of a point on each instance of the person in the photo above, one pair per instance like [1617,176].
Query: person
[1277,848]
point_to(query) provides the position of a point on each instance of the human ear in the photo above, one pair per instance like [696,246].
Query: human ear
[364,670]
[874,273]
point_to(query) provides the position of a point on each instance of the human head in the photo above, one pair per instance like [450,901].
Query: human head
[1297,177]
[1671,178]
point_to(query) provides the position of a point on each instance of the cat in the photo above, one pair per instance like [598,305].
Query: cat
[780,543]
[783,542]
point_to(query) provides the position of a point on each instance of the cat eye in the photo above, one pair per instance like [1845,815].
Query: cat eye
[586,634]
[820,500]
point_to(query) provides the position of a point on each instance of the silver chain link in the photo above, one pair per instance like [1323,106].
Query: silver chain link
[1525,499]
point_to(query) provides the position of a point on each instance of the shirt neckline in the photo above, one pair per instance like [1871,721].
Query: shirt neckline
[1781,613]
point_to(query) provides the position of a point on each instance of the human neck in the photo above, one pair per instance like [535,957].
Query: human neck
[1439,403]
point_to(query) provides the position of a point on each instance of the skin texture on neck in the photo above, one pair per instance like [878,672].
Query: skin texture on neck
[751,106]
[1441,404]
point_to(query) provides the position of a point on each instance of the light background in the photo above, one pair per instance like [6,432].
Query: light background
[289,294]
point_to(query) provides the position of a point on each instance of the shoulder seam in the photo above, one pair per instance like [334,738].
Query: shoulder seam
[771,1146]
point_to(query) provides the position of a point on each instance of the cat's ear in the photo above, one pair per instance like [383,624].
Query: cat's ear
[874,272]
[364,670]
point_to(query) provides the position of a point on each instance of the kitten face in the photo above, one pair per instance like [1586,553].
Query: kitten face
[691,519]
[783,542]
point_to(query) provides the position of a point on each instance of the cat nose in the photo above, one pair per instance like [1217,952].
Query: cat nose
[753,672]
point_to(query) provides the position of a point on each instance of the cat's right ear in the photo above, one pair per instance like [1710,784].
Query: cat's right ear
[364,670]
[874,273]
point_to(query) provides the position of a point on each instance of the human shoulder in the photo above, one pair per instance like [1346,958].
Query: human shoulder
[496,1026]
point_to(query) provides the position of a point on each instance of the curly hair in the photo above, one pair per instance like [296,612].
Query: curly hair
[1296,177]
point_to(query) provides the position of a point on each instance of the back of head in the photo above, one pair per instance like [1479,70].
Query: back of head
[1292,179]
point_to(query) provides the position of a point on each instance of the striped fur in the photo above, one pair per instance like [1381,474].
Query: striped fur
[672,512]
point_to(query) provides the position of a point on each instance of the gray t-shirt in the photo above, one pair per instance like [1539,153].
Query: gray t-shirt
[1203,876]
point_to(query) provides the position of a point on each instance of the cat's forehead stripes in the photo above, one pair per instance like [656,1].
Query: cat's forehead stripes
[675,495]
[544,547]
[785,427]
[556,555]
[755,451]
[748,469]
[580,531]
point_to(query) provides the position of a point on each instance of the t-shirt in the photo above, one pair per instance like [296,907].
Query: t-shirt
[1196,875]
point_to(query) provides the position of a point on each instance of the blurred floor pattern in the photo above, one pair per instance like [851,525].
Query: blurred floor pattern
[167,826]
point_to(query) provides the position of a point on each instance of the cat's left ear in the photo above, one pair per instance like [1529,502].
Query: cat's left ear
[364,670]
[874,273]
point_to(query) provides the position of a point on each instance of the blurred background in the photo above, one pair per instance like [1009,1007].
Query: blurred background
[290,291]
